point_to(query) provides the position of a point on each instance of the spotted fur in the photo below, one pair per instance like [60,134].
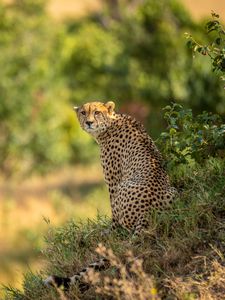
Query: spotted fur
[65,282]
[132,166]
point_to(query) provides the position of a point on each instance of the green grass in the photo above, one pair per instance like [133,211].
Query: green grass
[183,248]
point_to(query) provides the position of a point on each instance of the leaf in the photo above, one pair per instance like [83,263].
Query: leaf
[186,151]
[211,24]
[168,107]
[218,41]
[195,48]
[204,52]
[200,49]
[214,15]
[172,131]
[164,135]
[190,44]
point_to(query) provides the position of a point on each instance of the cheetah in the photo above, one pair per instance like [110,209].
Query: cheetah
[132,167]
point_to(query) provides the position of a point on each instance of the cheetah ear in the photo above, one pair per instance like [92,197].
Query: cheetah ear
[75,108]
[110,106]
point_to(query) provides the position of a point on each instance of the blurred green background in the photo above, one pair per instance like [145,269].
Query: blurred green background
[132,52]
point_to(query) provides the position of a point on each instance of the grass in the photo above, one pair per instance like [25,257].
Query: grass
[28,208]
[182,251]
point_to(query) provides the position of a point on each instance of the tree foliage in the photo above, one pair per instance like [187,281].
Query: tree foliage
[36,117]
[141,56]
[131,51]
[28,126]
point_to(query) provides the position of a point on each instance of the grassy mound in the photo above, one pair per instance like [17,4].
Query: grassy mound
[182,251]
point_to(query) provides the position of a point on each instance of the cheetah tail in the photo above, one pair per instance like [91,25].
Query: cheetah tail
[65,282]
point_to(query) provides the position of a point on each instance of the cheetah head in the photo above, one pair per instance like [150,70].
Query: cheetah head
[95,117]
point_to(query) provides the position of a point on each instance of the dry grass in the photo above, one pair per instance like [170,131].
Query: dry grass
[209,286]
[132,282]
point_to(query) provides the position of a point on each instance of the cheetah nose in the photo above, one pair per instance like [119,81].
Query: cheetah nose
[89,123]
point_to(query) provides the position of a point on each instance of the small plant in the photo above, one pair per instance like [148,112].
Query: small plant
[189,138]
[132,282]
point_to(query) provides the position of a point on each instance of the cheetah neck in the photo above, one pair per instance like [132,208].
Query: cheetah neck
[128,153]
[103,137]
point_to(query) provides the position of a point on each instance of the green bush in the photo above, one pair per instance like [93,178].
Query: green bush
[190,138]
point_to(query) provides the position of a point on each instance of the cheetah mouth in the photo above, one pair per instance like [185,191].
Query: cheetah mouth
[90,128]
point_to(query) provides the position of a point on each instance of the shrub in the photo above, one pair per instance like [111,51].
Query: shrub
[190,138]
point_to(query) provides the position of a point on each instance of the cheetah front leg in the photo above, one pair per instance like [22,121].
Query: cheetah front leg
[114,225]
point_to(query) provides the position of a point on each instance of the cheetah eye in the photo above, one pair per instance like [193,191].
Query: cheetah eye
[97,112]
[83,112]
